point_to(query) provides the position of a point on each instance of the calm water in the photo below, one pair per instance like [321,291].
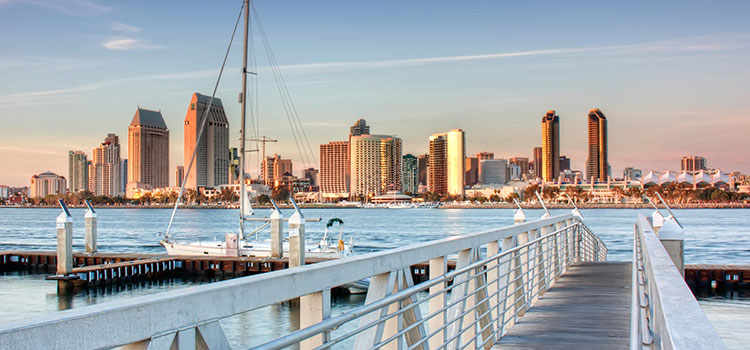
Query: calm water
[712,237]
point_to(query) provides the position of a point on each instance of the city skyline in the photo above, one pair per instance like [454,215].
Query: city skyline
[494,76]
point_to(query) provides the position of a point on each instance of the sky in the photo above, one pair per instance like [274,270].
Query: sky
[670,76]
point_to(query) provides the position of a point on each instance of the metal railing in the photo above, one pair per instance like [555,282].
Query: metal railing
[499,274]
[664,312]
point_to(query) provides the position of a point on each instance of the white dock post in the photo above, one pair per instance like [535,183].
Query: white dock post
[672,237]
[277,235]
[519,217]
[64,241]
[90,219]
[296,237]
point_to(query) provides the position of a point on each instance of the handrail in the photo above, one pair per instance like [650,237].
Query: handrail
[664,312]
[550,246]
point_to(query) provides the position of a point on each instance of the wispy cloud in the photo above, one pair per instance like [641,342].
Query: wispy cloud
[68,7]
[40,62]
[30,150]
[128,44]
[122,27]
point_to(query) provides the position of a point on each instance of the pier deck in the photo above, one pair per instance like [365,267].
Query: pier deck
[589,304]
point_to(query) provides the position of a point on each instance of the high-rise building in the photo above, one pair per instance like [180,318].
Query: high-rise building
[334,169]
[105,168]
[493,171]
[550,146]
[410,174]
[78,171]
[485,155]
[522,163]
[448,169]
[597,164]
[564,163]
[693,163]
[274,168]
[211,166]
[46,183]
[538,162]
[148,149]
[632,174]
[124,175]
[312,175]
[423,162]
[514,172]
[472,171]
[234,166]
[179,175]
[375,164]
[359,128]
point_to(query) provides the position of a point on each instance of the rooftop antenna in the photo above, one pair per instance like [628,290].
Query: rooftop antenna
[546,211]
[575,211]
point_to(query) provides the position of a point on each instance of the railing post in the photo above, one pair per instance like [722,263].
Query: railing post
[314,308]
[522,269]
[507,272]
[542,264]
[493,283]
[437,302]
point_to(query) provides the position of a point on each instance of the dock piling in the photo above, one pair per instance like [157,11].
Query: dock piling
[277,234]
[64,241]
[296,237]
[90,221]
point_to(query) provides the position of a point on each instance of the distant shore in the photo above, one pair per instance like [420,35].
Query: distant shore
[730,205]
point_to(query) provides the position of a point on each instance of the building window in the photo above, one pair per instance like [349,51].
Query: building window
[192,106]
[187,122]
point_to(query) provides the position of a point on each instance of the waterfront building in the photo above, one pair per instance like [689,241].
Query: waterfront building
[448,169]
[550,146]
[312,175]
[148,149]
[273,169]
[359,128]
[410,175]
[538,162]
[375,164]
[123,175]
[564,163]
[423,162]
[211,165]
[522,163]
[179,175]
[234,165]
[4,192]
[632,174]
[485,155]
[597,166]
[78,171]
[47,183]
[472,171]
[693,163]
[493,171]
[334,170]
[105,168]
[514,172]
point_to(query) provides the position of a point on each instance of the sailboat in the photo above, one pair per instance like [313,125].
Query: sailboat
[235,244]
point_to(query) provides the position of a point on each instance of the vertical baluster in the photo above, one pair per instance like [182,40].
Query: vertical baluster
[314,308]
[437,302]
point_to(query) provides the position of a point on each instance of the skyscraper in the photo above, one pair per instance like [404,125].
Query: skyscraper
[78,171]
[273,169]
[693,163]
[234,166]
[312,175]
[45,184]
[493,171]
[472,171]
[485,155]
[334,169]
[564,163]
[550,146]
[423,161]
[148,149]
[375,164]
[179,175]
[410,175]
[522,163]
[538,162]
[360,127]
[211,166]
[596,166]
[105,168]
[448,168]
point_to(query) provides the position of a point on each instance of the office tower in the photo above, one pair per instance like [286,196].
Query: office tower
[550,146]
[410,174]
[630,173]
[564,163]
[211,165]
[105,168]
[124,176]
[538,162]
[472,171]
[78,171]
[179,175]
[514,172]
[423,162]
[522,163]
[597,164]
[359,128]
[274,168]
[375,164]
[485,155]
[334,169]
[148,149]
[448,168]
[234,166]
[312,175]
[47,183]
[693,163]
[493,171]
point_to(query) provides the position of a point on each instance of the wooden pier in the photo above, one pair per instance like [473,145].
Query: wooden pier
[717,276]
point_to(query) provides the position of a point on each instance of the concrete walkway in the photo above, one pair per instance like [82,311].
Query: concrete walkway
[588,308]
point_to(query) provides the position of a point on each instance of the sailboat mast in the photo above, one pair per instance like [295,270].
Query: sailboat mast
[243,190]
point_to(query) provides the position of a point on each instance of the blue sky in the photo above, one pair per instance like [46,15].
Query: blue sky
[670,76]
